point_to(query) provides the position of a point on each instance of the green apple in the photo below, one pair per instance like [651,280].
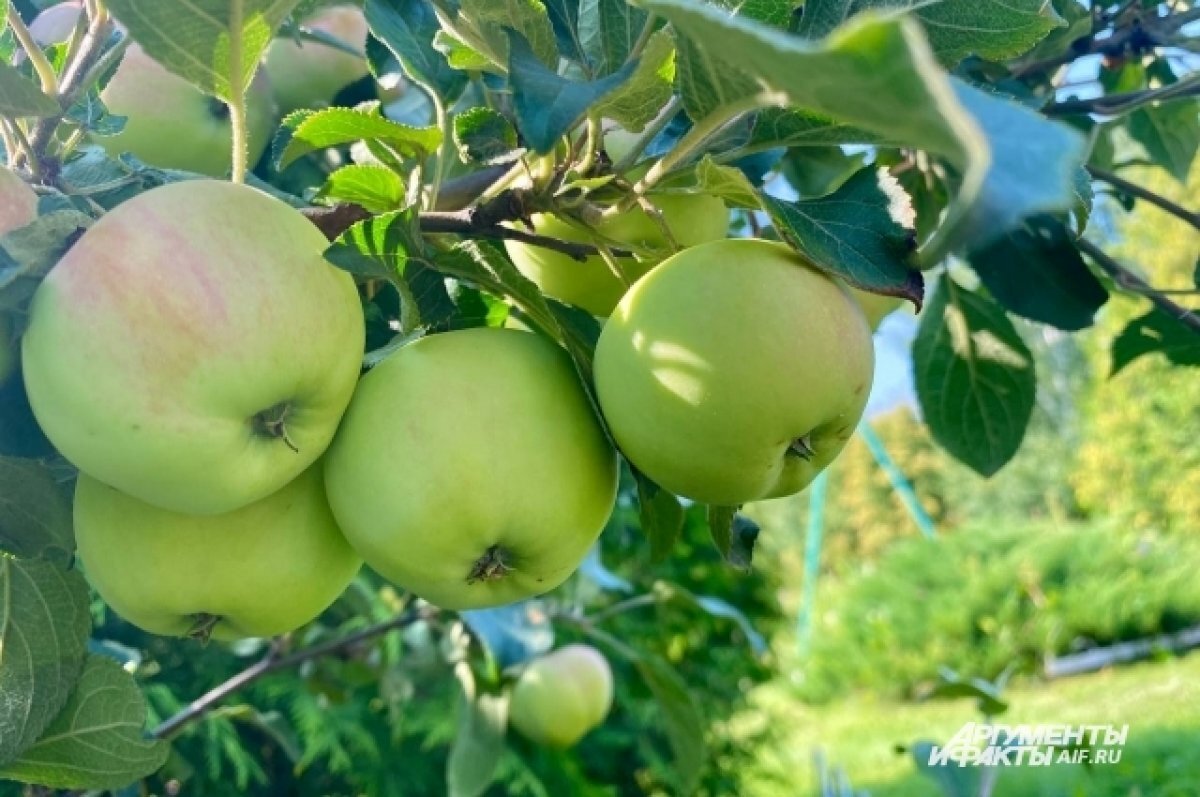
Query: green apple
[194,349]
[875,306]
[307,73]
[56,23]
[471,469]
[561,696]
[734,371]
[18,207]
[590,284]
[173,125]
[261,570]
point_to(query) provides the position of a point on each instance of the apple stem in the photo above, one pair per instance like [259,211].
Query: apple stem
[202,629]
[489,567]
[272,423]
[802,447]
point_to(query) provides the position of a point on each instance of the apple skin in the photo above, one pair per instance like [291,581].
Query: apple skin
[307,74]
[264,569]
[161,335]
[171,124]
[18,207]
[469,442]
[561,696]
[591,285]
[875,306]
[715,363]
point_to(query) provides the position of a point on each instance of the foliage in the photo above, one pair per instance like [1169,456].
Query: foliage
[985,598]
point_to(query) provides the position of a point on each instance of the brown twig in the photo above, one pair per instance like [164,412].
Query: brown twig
[1117,103]
[273,662]
[1135,190]
[1135,284]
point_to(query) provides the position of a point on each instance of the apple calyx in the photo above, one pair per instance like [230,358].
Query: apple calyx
[802,447]
[202,629]
[272,423]
[489,567]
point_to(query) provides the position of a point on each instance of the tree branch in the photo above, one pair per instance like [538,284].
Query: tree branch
[273,662]
[1135,190]
[1116,103]
[1135,284]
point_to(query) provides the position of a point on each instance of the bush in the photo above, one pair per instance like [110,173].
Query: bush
[982,600]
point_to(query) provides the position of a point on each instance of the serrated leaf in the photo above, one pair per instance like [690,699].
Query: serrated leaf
[485,26]
[734,534]
[878,74]
[20,96]
[309,131]
[35,515]
[44,625]
[638,101]
[564,17]
[1037,272]
[485,136]
[198,39]
[27,254]
[994,29]
[608,29]
[98,740]
[661,516]
[713,179]
[819,171]
[460,55]
[854,233]
[794,127]
[1170,132]
[707,83]
[407,28]
[974,376]
[548,105]
[1155,333]
[376,188]
[680,717]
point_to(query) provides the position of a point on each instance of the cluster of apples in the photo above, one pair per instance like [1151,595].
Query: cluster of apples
[171,124]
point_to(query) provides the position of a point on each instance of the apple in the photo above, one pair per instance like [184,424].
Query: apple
[194,349]
[18,207]
[56,24]
[875,306]
[561,696]
[173,125]
[734,371]
[590,284]
[471,470]
[261,570]
[307,73]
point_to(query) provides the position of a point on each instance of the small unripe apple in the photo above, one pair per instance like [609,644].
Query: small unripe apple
[194,348]
[261,570]
[18,207]
[173,125]
[561,696]
[471,469]
[307,73]
[591,284]
[734,371]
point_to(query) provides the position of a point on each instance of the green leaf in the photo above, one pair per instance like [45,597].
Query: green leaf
[975,378]
[478,745]
[792,127]
[639,100]
[44,626]
[548,105]
[994,29]
[680,716]
[952,779]
[485,136]
[20,96]
[485,26]
[819,171]
[407,28]
[1170,132]
[1037,272]
[711,178]
[35,516]
[854,233]
[376,188]
[214,44]
[27,254]
[707,83]
[878,74]
[1078,23]
[608,29]
[661,516]
[1155,333]
[460,55]
[990,701]
[98,740]
[733,534]
[303,132]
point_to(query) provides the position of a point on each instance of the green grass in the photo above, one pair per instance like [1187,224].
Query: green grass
[1160,701]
